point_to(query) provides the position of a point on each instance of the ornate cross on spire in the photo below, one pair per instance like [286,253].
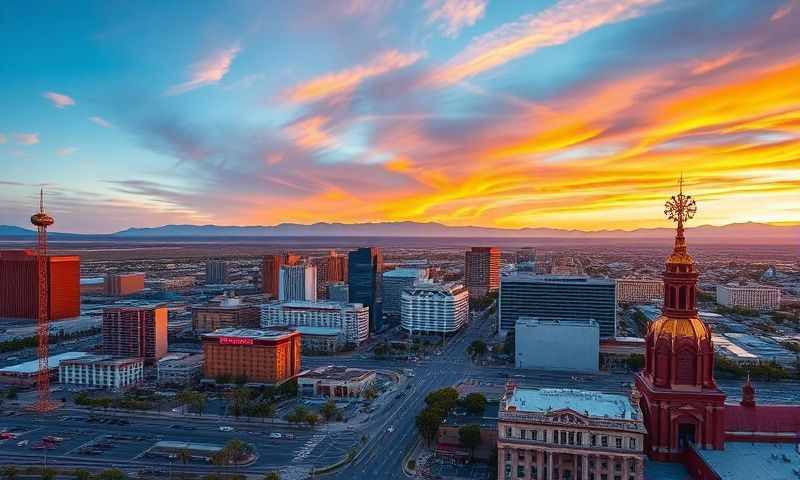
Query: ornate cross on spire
[680,208]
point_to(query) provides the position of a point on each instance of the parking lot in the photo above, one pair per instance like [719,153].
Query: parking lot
[130,439]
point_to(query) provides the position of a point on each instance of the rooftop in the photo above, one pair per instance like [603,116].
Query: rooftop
[255,334]
[558,279]
[107,359]
[303,304]
[318,331]
[405,272]
[535,322]
[753,461]
[336,373]
[52,362]
[589,403]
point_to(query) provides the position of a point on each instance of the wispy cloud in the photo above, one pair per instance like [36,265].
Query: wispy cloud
[59,99]
[208,71]
[100,121]
[66,151]
[453,15]
[345,81]
[782,11]
[554,26]
[26,138]
[701,67]
[310,133]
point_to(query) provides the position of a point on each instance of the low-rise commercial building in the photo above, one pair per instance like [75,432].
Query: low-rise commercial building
[571,345]
[230,313]
[335,382]
[24,374]
[122,284]
[640,290]
[750,296]
[434,308]
[351,319]
[553,433]
[180,368]
[101,371]
[257,356]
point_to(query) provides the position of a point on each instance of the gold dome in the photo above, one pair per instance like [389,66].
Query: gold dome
[691,328]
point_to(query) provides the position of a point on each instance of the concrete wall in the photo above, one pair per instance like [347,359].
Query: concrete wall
[548,345]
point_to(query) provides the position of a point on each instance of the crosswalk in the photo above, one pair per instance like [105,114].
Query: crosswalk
[308,447]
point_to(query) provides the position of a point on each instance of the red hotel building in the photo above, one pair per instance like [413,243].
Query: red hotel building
[19,286]
[135,332]
[260,356]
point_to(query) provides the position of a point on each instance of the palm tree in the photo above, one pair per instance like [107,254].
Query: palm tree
[184,456]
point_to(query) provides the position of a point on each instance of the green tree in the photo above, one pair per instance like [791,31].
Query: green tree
[509,345]
[635,362]
[240,400]
[262,410]
[184,456]
[82,474]
[470,437]
[329,410]
[298,415]
[477,348]
[475,403]
[312,419]
[10,472]
[428,422]
[111,474]
[370,393]
[47,474]
[445,399]
[11,394]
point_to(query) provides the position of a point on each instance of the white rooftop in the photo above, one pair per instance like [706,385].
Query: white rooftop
[589,403]
[52,362]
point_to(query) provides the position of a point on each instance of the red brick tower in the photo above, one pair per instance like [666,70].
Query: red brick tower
[680,400]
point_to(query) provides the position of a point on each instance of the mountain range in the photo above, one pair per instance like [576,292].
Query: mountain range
[733,233]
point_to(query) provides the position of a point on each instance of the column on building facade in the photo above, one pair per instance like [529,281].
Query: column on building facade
[539,464]
[549,465]
[585,466]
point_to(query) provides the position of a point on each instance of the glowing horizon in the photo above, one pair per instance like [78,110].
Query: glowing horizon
[565,114]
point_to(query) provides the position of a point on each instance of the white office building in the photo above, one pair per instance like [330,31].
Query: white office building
[101,371]
[352,319]
[434,308]
[298,282]
[750,296]
[569,345]
[640,290]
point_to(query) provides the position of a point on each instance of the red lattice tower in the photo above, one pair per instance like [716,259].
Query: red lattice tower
[42,220]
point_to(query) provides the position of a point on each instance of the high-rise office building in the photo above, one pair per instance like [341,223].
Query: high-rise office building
[271,272]
[482,270]
[122,284]
[351,320]
[338,292]
[298,282]
[365,281]
[394,282]
[216,272]
[554,297]
[135,332]
[19,286]
[331,268]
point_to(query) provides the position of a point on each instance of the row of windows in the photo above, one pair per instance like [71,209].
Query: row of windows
[565,437]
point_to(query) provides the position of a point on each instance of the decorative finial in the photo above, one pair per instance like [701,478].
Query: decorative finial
[41,200]
[680,208]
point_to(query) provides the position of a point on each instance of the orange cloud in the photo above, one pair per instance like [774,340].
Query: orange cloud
[782,12]
[311,133]
[704,66]
[346,81]
[453,15]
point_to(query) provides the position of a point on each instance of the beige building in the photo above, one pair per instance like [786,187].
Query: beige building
[231,313]
[750,296]
[101,371]
[639,290]
[564,434]
[335,382]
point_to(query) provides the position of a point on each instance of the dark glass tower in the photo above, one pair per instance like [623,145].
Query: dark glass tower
[364,276]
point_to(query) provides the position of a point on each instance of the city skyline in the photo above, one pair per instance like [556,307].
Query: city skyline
[464,112]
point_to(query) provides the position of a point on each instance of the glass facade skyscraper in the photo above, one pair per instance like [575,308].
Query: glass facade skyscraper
[549,297]
[365,279]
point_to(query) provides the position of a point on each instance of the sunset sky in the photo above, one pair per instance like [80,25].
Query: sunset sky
[506,113]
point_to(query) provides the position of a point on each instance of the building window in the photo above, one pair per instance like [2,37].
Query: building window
[580,438]
[619,442]
[534,434]
[520,455]
[632,466]
[617,466]
[594,440]
[523,433]
[508,455]
[563,437]
[572,438]
[604,441]
[520,471]
[555,436]
[508,432]
[632,443]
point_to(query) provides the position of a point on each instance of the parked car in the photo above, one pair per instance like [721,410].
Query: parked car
[225,428]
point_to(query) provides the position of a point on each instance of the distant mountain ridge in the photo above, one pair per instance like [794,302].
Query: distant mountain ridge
[736,232]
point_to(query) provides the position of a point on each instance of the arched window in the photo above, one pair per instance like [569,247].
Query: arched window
[682,298]
[686,369]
